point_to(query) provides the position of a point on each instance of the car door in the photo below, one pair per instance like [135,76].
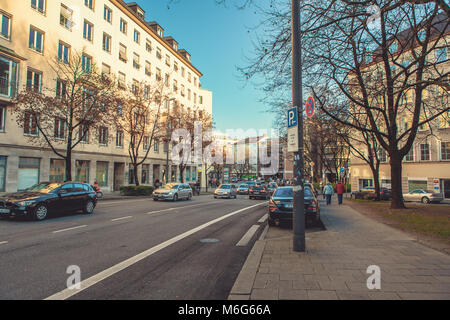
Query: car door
[185,190]
[66,197]
[79,196]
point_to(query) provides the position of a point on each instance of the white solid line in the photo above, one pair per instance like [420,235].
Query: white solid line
[73,228]
[3,242]
[263,218]
[248,236]
[67,293]
[122,218]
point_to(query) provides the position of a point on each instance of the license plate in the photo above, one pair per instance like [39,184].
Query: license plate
[289,206]
[256,192]
[5,211]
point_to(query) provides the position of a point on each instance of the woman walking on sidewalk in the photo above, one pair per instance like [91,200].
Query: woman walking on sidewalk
[328,191]
[340,192]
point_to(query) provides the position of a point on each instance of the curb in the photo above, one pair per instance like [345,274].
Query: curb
[243,285]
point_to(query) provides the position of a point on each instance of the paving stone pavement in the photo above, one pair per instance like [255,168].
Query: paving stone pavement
[335,263]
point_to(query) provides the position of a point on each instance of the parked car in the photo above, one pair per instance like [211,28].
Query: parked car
[226,191]
[423,196]
[281,206]
[243,189]
[385,194]
[174,192]
[258,192]
[45,198]
[360,194]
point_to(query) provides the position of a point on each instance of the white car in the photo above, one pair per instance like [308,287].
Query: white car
[423,196]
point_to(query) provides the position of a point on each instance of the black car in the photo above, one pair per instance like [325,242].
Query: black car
[258,192]
[281,206]
[44,198]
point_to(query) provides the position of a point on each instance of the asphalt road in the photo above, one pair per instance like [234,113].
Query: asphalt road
[132,249]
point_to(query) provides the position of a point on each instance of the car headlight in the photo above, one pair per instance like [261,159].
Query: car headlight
[26,203]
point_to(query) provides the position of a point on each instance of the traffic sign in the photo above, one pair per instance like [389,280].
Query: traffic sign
[342,170]
[292,117]
[292,130]
[310,106]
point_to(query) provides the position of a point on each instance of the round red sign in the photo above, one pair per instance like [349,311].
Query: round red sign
[310,106]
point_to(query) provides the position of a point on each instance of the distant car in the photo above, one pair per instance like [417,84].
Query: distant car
[360,194]
[44,198]
[243,189]
[234,180]
[423,196]
[258,192]
[385,194]
[226,191]
[173,192]
[251,183]
[281,206]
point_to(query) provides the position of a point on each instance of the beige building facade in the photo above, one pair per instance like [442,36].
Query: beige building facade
[117,38]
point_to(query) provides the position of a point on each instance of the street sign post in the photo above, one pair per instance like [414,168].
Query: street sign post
[310,107]
[292,130]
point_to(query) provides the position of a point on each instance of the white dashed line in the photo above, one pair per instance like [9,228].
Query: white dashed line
[67,293]
[123,218]
[263,218]
[3,242]
[248,236]
[68,229]
[176,208]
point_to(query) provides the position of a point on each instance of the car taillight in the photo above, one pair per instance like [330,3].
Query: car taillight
[272,205]
[251,190]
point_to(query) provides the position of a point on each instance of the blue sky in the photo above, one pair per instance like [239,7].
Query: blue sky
[217,38]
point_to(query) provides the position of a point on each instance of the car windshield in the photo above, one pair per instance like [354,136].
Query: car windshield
[45,187]
[171,186]
[284,192]
[225,186]
[243,186]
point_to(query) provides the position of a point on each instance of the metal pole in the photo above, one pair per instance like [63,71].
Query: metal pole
[169,125]
[297,100]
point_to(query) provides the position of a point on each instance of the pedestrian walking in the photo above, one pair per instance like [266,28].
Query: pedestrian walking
[328,191]
[197,187]
[157,184]
[340,192]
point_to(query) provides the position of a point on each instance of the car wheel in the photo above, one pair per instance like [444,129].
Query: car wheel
[175,198]
[425,200]
[89,207]
[270,222]
[155,199]
[99,195]
[40,213]
[190,196]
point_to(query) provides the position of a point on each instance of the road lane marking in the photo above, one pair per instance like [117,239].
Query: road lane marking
[247,236]
[3,242]
[123,218]
[67,293]
[116,202]
[68,229]
[263,218]
[175,208]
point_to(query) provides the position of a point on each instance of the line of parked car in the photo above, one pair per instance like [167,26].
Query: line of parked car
[418,195]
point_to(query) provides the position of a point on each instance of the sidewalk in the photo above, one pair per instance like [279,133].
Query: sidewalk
[335,263]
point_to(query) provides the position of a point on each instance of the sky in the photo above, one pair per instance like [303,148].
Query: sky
[218,40]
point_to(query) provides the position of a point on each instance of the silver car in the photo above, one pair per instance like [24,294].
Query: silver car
[174,192]
[423,196]
[226,191]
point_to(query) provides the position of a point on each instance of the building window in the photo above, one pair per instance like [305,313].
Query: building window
[410,155]
[8,76]
[57,170]
[166,80]
[424,152]
[148,68]
[86,63]
[28,174]
[445,150]
[5,28]
[167,60]
[175,66]
[103,136]
[84,133]
[34,80]
[122,53]
[36,40]
[63,52]
[65,17]
[148,46]
[382,155]
[137,36]
[123,26]
[2,173]
[136,64]
[107,14]
[158,53]
[146,143]
[195,98]
[106,42]
[195,81]
[189,94]
[183,72]
[175,85]
[119,139]
[30,125]
[61,88]
[182,90]
[38,5]
[145,174]
[89,4]
[2,117]
[200,99]
[101,175]
[156,147]
[88,29]
[60,128]
[122,80]
[189,77]
[82,170]
[158,74]
[106,70]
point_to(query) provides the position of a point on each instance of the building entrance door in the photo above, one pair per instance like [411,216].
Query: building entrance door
[119,175]
[446,188]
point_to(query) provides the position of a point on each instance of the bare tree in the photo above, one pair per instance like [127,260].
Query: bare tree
[77,108]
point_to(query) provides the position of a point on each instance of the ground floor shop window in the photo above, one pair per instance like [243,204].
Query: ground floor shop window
[417,184]
[174,173]
[194,174]
[57,170]
[82,171]
[102,173]
[2,173]
[364,183]
[188,174]
[145,174]
[131,175]
[28,174]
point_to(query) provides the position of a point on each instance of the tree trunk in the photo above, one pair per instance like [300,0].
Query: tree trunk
[68,164]
[135,173]
[181,174]
[396,181]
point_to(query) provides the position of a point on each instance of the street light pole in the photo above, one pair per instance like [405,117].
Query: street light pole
[297,100]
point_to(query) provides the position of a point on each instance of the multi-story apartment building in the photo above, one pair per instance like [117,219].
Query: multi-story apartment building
[427,165]
[116,37]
